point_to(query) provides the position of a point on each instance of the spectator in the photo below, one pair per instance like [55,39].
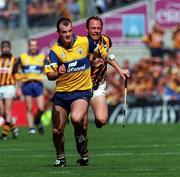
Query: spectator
[176,39]
[172,89]
[73,7]
[62,10]
[43,10]
[154,42]
[101,6]
[111,3]
[10,14]
[2,8]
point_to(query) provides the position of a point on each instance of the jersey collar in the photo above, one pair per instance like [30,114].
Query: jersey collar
[61,44]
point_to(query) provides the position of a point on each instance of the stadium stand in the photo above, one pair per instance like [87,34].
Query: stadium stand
[151,79]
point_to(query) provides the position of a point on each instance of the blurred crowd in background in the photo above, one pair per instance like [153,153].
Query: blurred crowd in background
[39,12]
[43,12]
[153,78]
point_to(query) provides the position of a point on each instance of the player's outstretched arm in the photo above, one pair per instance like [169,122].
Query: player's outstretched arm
[124,73]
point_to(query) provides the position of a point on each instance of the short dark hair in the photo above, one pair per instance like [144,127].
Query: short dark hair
[65,21]
[93,18]
[32,39]
[5,44]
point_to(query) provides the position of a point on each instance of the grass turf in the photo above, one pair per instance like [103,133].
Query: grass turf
[134,151]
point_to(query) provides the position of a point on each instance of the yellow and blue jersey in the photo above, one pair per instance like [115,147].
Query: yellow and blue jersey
[76,61]
[32,67]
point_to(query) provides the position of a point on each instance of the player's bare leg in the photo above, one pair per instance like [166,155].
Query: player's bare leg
[30,119]
[100,110]
[40,111]
[59,117]
[84,160]
[78,111]
[9,125]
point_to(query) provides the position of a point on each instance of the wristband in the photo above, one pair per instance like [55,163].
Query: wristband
[111,57]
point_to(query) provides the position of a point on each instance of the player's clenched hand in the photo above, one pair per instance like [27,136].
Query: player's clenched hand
[124,73]
[62,69]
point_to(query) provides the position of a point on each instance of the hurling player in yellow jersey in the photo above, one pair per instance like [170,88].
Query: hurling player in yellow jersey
[32,75]
[69,65]
[99,61]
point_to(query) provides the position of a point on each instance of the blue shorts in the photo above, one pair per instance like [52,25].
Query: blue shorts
[65,99]
[32,88]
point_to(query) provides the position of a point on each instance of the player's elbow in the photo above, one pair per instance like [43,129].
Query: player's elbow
[51,76]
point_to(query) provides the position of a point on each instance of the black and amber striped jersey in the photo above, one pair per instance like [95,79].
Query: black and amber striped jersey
[7,70]
[98,61]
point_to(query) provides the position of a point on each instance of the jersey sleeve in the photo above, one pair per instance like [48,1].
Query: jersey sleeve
[52,62]
[92,45]
[16,69]
[16,65]
[108,40]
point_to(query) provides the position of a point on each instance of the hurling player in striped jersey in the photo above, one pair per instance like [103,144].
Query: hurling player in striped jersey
[99,61]
[7,89]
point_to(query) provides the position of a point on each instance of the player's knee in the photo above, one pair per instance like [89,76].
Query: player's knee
[56,131]
[100,122]
[76,122]
[76,119]
[102,119]
[41,109]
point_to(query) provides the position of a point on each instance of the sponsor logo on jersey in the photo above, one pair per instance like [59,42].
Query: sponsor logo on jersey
[80,51]
[63,55]
[73,67]
[73,64]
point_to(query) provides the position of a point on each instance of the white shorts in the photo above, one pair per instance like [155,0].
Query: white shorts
[100,90]
[7,91]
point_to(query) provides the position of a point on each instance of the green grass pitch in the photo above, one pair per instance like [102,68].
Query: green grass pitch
[134,151]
